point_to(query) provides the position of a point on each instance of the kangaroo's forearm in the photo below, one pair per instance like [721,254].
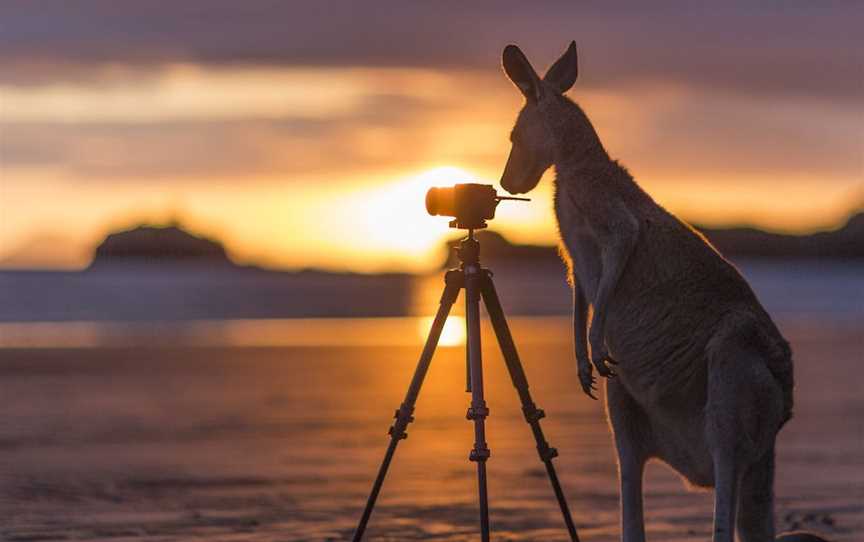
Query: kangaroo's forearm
[614,258]
[580,322]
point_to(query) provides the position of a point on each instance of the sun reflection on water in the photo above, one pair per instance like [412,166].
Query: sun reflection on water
[453,333]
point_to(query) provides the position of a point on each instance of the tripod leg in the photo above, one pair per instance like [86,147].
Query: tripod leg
[454,281]
[533,415]
[478,410]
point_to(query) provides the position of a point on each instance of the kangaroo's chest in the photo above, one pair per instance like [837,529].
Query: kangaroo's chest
[580,244]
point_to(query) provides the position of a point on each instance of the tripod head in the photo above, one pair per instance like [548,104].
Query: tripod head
[468,250]
[470,204]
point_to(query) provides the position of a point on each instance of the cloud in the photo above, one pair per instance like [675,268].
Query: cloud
[255,149]
[241,122]
[402,123]
[790,48]
[717,136]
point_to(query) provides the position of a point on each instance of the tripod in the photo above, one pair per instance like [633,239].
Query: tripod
[477,283]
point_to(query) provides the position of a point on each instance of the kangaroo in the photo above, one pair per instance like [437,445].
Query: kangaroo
[697,374]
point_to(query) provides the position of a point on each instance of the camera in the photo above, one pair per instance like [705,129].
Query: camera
[470,204]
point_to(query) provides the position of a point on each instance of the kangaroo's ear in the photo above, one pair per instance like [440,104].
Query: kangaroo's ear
[563,73]
[519,71]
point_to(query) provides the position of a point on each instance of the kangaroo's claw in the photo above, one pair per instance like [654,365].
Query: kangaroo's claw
[588,381]
[600,358]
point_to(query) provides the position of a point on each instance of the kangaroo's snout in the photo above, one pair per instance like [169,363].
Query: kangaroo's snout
[506,186]
[507,182]
[522,171]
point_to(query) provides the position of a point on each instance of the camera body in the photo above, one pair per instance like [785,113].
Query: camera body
[470,204]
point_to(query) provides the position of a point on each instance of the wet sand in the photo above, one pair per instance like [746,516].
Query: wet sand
[249,443]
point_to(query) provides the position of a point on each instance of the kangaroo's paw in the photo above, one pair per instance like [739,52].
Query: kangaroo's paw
[600,357]
[586,378]
[601,360]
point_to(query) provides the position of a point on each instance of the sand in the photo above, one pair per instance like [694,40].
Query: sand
[247,443]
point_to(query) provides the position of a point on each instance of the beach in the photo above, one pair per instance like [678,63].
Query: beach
[260,442]
[226,229]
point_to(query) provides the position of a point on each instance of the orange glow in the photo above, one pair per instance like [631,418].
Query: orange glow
[453,333]
[328,167]
[393,218]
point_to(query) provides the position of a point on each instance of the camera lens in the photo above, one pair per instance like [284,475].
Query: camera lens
[431,201]
[441,202]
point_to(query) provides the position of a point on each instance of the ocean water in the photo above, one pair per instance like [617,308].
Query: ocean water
[273,429]
[181,294]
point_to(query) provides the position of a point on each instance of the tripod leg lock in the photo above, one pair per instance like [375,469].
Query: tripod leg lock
[532,413]
[546,452]
[474,413]
[403,416]
[479,454]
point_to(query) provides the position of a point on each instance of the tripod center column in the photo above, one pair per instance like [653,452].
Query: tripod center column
[478,410]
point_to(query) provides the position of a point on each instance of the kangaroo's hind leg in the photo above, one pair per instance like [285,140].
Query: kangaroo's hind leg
[633,444]
[756,501]
[756,506]
[742,416]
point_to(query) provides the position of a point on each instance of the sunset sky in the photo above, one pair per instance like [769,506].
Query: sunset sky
[305,134]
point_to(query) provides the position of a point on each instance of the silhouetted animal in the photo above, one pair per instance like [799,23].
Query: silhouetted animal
[704,378]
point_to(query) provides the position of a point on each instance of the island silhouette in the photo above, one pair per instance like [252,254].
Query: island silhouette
[146,244]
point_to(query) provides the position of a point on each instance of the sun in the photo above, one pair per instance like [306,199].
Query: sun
[394,225]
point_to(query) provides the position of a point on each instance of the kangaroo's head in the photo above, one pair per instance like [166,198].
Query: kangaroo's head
[534,143]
